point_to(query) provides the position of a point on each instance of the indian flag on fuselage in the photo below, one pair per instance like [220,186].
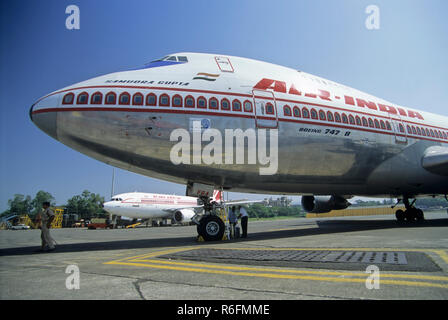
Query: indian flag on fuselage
[206,76]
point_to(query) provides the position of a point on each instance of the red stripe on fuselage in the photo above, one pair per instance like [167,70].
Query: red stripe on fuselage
[241,95]
[241,115]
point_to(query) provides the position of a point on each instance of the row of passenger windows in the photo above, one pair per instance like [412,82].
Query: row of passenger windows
[213,103]
[360,121]
[164,101]
[336,117]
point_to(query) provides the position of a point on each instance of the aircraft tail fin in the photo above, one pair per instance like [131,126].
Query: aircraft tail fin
[217,195]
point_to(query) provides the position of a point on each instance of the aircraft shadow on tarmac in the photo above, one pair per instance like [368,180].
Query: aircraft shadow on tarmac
[322,228]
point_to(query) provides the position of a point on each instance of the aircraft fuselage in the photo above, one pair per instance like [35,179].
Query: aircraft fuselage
[332,139]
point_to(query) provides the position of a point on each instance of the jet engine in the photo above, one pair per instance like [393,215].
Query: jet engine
[183,215]
[323,204]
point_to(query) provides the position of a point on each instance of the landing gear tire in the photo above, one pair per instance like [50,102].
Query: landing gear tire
[419,215]
[399,214]
[411,215]
[211,228]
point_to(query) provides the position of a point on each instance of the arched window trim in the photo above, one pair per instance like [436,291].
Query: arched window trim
[177,96]
[337,117]
[205,104]
[351,119]
[271,113]
[163,95]
[344,118]
[377,123]
[305,113]
[222,107]
[79,96]
[67,95]
[244,106]
[322,115]
[298,114]
[133,99]
[124,94]
[93,95]
[365,123]
[192,99]
[287,111]
[151,95]
[314,111]
[110,93]
[233,107]
[210,103]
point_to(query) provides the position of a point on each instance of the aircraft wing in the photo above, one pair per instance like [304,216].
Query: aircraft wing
[239,202]
[172,210]
[435,160]
[224,203]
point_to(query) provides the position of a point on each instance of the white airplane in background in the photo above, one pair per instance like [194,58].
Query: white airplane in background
[334,142]
[181,209]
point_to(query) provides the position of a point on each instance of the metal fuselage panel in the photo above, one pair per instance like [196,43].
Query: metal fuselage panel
[315,156]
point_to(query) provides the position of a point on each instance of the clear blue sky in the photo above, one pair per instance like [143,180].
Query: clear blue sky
[405,62]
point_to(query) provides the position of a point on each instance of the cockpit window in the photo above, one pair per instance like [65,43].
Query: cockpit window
[165,61]
[172,58]
[161,59]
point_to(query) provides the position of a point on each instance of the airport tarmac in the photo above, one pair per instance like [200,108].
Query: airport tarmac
[318,258]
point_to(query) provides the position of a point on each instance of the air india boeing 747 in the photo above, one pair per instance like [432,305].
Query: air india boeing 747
[229,123]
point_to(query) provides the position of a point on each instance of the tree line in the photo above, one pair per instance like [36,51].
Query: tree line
[85,205]
[258,210]
[89,204]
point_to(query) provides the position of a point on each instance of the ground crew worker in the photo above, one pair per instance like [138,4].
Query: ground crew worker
[233,220]
[244,218]
[46,219]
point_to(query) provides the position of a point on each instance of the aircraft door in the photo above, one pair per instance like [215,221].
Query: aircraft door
[399,129]
[265,109]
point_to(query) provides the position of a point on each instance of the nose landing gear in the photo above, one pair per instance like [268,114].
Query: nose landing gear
[211,227]
[411,213]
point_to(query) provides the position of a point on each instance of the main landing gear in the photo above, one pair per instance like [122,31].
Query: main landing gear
[411,213]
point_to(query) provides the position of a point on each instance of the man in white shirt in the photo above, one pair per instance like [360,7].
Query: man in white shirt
[244,218]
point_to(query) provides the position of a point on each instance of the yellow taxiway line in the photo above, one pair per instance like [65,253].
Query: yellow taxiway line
[148,261]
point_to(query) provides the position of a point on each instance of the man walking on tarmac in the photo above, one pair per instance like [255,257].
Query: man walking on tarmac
[46,219]
[244,218]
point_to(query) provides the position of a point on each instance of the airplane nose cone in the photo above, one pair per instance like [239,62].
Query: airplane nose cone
[106,205]
[109,207]
[44,115]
